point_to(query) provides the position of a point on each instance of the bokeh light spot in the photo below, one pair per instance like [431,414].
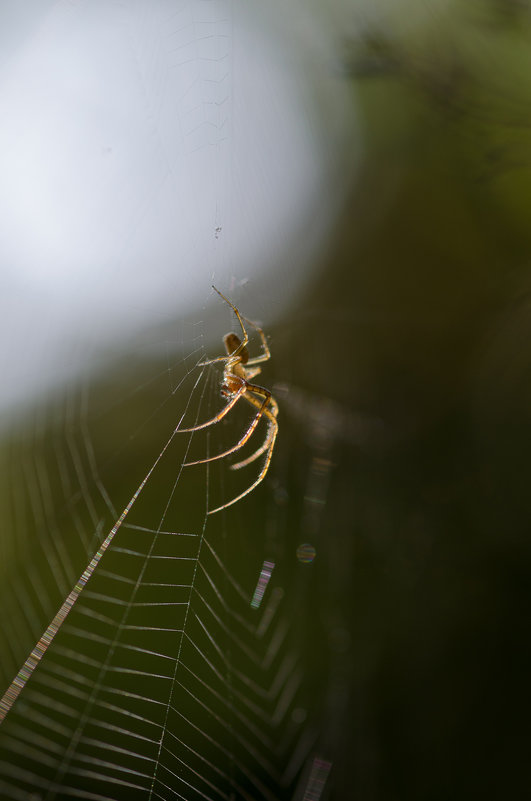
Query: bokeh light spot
[306,553]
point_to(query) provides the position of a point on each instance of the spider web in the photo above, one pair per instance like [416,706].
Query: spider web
[147,650]
[173,667]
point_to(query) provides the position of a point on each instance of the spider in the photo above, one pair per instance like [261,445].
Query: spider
[236,384]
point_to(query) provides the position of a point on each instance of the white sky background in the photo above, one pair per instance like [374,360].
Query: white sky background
[129,133]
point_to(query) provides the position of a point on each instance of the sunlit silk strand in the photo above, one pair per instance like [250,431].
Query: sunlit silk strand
[317,779]
[19,682]
[263,581]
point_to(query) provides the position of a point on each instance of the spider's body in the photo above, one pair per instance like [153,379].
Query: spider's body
[236,384]
[234,374]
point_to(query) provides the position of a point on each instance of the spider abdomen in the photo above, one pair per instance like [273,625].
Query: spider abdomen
[232,343]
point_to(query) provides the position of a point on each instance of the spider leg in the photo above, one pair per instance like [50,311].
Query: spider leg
[253,372]
[271,415]
[212,361]
[245,340]
[260,477]
[233,401]
[266,354]
[262,449]
[243,343]
[261,410]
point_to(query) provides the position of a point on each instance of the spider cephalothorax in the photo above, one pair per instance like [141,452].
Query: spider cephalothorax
[237,372]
